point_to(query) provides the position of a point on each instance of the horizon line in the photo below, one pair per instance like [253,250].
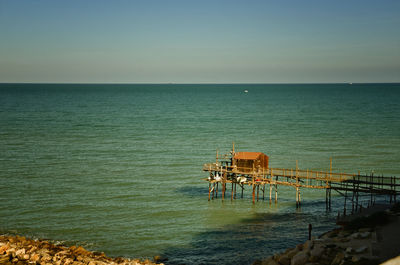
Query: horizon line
[194,83]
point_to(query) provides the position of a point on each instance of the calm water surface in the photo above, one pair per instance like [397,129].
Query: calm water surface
[117,168]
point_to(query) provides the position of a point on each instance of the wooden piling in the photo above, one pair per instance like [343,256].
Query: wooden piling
[232,192]
[345,198]
[391,188]
[263,190]
[213,190]
[209,190]
[394,188]
[299,198]
[270,193]
[223,190]
[254,188]
[258,190]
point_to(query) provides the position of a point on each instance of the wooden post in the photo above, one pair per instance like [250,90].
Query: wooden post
[209,190]
[258,190]
[254,188]
[298,193]
[270,193]
[326,199]
[213,190]
[330,200]
[234,196]
[224,178]
[394,188]
[352,200]
[232,192]
[391,188]
[263,190]
[223,189]
[345,198]
[371,186]
[358,186]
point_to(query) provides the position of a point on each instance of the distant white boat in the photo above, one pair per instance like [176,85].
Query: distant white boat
[246,91]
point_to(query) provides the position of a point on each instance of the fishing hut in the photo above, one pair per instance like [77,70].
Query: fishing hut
[249,161]
[252,169]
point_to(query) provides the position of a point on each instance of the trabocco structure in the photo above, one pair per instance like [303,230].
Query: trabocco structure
[252,169]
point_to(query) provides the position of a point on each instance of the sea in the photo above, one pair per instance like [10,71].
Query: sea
[117,168]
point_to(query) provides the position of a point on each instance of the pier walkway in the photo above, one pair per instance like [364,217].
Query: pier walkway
[250,168]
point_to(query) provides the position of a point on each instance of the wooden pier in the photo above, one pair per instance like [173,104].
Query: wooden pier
[251,169]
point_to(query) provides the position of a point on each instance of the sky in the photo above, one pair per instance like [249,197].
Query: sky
[199,41]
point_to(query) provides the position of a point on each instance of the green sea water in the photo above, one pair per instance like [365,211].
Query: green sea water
[118,168]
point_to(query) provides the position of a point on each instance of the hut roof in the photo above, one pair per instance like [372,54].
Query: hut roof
[248,155]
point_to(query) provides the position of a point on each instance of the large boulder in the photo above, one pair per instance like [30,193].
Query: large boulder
[316,253]
[269,261]
[338,258]
[284,259]
[292,253]
[300,258]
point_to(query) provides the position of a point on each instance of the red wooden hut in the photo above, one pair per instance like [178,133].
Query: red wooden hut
[250,161]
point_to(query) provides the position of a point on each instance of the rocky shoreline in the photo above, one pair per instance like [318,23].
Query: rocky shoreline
[368,239]
[20,250]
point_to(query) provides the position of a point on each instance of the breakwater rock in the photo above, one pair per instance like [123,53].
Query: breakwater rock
[335,248]
[365,240]
[20,250]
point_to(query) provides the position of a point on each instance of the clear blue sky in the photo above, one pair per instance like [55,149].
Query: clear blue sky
[193,41]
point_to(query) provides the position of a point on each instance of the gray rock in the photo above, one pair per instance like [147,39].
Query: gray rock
[269,261]
[308,245]
[300,258]
[338,259]
[284,259]
[361,249]
[292,253]
[299,247]
[365,234]
[316,252]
